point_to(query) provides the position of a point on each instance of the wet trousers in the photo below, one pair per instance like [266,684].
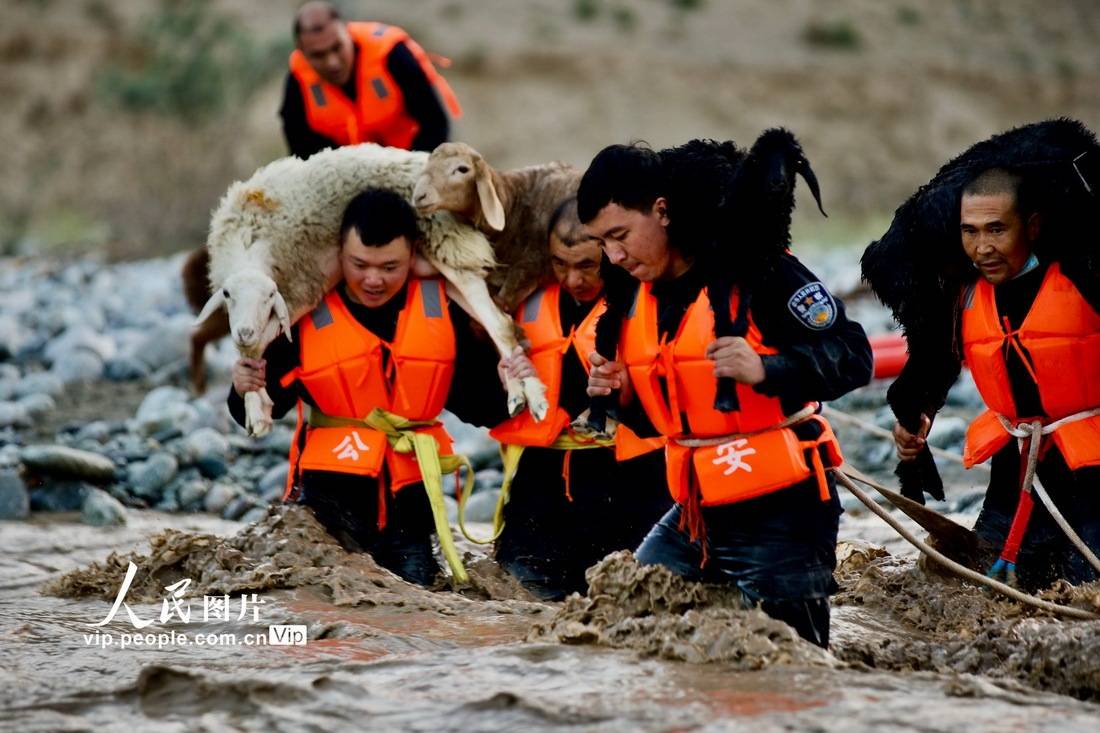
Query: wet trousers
[778,549]
[347,506]
[551,538]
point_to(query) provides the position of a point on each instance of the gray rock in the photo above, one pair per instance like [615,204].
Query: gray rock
[9,373]
[98,430]
[212,467]
[948,432]
[79,338]
[278,440]
[168,343]
[125,369]
[489,478]
[7,388]
[482,505]
[179,416]
[60,496]
[148,478]
[191,495]
[13,414]
[236,508]
[13,336]
[100,509]
[78,366]
[218,497]
[204,443]
[452,508]
[159,398]
[15,501]
[254,514]
[44,382]
[37,404]
[62,461]
[964,393]
[273,478]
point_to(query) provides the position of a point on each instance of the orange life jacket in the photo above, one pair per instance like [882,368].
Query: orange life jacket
[378,113]
[1059,343]
[342,369]
[540,317]
[768,460]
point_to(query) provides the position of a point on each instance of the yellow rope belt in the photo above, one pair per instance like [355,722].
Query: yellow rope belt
[404,438]
[510,455]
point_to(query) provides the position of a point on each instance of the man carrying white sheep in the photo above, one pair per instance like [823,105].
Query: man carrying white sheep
[374,364]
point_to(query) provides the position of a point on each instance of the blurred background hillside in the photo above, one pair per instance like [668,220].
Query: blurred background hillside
[124,120]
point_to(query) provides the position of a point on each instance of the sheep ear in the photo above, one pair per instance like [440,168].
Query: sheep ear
[217,300]
[811,180]
[283,315]
[491,207]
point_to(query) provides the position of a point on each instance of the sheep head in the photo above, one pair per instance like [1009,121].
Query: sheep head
[257,311]
[778,157]
[457,179]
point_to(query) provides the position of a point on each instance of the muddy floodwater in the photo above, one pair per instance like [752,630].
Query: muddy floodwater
[644,652]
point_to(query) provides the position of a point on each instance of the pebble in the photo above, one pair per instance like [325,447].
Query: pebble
[191,494]
[218,497]
[100,509]
[148,478]
[482,505]
[15,501]
[44,382]
[13,414]
[37,404]
[60,496]
[62,461]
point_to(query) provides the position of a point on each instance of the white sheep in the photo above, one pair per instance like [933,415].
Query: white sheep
[274,252]
[512,208]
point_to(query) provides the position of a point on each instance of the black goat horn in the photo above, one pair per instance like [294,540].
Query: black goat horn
[807,174]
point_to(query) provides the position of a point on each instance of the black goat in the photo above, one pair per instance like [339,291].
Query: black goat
[729,210]
[918,268]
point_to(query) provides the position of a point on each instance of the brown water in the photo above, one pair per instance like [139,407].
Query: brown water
[384,655]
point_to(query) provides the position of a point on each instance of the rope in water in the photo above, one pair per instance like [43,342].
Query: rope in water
[957,568]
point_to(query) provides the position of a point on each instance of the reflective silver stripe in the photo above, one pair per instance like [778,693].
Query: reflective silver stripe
[318,95]
[380,87]
[634,303]
[380,30]
[321,316]
[431,295]
[968,296]
[531,307]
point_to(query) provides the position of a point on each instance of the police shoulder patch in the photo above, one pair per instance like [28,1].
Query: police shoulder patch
[813,306]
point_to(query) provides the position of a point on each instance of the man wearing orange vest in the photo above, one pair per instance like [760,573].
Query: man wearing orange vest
[373,365]
[755,506]
[1032,343]
[351,83]
[570,502]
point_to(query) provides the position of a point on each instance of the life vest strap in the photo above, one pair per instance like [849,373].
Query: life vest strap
[801,416]
[1024,430]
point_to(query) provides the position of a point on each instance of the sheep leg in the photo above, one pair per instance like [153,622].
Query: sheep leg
[257,413]
[725,397]
[473,296]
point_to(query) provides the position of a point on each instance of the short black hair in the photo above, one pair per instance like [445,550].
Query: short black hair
[333,14]
[994,181]
[379,216]
[628,175]
[565,224]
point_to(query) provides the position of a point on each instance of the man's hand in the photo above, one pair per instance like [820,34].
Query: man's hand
[249,375]
[734,358]
[605,376]
[516,366]
[910,445]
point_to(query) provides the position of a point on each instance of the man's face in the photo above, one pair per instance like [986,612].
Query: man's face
[636,241]
[330,52]
[577,268]
[375,274]
[994,237]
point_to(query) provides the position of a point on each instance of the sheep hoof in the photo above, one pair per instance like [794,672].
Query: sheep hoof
[257,413]
[582,428]
[535,394]
[516,399]
[725,404]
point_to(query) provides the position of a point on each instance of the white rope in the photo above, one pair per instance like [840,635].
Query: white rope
[834,414]
[958,569]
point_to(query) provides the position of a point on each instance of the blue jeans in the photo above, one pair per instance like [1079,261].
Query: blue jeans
[778,549]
